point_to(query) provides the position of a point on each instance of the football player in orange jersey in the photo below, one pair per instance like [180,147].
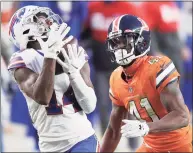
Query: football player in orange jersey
[146,87]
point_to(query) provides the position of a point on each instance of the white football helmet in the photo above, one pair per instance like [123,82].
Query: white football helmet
[29,22]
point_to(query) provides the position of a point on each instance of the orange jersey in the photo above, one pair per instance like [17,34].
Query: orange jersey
[141,97]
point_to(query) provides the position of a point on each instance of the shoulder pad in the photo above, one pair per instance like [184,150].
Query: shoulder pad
[21,58]
[16,61]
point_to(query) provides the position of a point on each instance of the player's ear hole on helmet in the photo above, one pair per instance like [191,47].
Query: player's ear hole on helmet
[26,31]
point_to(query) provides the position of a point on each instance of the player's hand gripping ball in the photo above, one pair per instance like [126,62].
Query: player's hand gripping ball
[69,40]
[75,58]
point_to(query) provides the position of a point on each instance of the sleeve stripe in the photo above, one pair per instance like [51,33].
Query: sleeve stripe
[157,85]
[42,54]
[163,68]
[16,64]
[173,80]
[18,58]
[111,94]
[164,73]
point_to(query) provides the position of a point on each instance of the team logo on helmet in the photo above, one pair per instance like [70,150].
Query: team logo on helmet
[16,18]
[21,13]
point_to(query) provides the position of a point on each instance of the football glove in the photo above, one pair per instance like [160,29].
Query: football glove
[75,58]
[54,43]
[134,128]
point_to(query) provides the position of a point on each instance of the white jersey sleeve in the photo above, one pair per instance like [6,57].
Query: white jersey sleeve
[28,58]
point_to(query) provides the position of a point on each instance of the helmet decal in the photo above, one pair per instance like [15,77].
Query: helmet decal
[116,23]
[21,13]
[144,25]
[16,18]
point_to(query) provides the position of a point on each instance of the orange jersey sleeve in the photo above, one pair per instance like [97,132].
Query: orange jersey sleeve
[164,72]
[113,94]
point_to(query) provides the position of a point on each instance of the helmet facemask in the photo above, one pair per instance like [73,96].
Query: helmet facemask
[128,39]
[124,49]
[40,23]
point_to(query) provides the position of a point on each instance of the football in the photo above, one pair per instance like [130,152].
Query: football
[59,69]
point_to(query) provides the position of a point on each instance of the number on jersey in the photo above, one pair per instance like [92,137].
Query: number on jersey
[145,104]
[68,99]
[54,108]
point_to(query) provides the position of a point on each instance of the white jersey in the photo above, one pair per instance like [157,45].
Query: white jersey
[62,124]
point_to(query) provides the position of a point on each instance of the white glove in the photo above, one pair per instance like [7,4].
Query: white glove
[134,128]
[54,43]
[74,60]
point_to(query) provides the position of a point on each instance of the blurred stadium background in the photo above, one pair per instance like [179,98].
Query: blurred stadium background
[171,23]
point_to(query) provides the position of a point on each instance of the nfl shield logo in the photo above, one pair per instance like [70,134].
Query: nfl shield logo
[130,89]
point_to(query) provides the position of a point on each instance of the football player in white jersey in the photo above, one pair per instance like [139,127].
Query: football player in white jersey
[59,93]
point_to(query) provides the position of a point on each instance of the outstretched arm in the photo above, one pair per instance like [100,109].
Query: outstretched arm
[112,134]
[178,115]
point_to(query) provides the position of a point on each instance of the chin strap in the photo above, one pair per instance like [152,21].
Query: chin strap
[125,66]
